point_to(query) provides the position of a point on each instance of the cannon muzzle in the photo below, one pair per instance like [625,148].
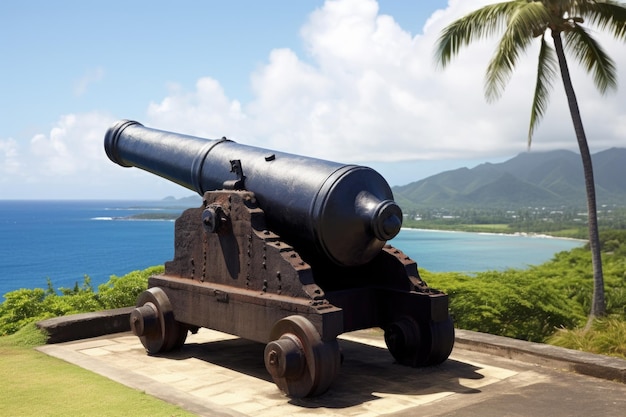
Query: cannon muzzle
[345,212]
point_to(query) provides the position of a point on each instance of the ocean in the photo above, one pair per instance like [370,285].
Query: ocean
[65,240]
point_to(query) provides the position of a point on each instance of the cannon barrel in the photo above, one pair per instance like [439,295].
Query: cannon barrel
[345,212]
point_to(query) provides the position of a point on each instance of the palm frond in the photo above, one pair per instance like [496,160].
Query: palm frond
[604,15]
[591,55]
[546,73]
[477,25]
[524,23]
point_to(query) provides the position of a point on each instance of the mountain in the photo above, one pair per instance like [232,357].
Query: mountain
[552,178]
[190,201]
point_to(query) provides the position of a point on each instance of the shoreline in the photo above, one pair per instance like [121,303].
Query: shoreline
[514,234]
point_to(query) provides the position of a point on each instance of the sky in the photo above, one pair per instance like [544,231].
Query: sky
[353,81]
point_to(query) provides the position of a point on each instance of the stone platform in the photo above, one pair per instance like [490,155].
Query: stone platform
[216,374]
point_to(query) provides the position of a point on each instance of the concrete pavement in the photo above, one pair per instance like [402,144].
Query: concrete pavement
[216,374]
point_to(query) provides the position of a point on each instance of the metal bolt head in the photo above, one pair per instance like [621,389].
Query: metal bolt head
[211,219]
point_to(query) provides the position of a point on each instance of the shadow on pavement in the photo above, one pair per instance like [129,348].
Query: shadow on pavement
[367,372]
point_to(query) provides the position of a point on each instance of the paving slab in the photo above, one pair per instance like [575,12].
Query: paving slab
[216,374]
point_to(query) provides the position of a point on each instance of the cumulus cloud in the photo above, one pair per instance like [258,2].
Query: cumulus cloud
[69,160]
[204,112]
[368,90]
[365,90]
[73,145]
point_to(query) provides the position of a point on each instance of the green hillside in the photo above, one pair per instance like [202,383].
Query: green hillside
[552,179]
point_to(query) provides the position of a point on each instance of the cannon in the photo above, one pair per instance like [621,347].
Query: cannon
[285,250]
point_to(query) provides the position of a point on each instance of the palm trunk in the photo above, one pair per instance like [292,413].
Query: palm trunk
[598,307]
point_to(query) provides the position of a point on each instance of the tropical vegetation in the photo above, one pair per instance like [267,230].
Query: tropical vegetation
[544,303]
[564,21]
[554,221]
[25,306]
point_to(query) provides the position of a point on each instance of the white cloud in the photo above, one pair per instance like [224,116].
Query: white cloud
[204,112]
[92,76]
[9,157]
[73,145]
[69,160]
[367,91]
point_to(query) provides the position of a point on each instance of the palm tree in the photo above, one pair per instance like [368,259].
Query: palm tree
[562,20]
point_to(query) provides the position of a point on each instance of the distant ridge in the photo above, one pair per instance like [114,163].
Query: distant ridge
[552,178]
[189,201]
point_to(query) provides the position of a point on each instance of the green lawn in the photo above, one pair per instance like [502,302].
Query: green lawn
[35,384]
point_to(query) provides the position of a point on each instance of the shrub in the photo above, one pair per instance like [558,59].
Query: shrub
[26,306]
[513,303]
[19,308]
[532,304]
[123,291]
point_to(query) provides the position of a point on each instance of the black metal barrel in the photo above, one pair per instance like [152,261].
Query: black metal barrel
[346,212]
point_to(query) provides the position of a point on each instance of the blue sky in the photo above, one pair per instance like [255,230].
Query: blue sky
[346,80]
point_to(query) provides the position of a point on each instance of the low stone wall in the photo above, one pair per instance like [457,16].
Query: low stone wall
[86,325]
[599,366]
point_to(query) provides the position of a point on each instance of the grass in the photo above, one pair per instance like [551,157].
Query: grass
[487,228]
[574,233]
[35,384]
[466,227]
[607,336]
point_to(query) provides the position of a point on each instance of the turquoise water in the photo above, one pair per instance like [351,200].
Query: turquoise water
[66,240]
[442,251]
